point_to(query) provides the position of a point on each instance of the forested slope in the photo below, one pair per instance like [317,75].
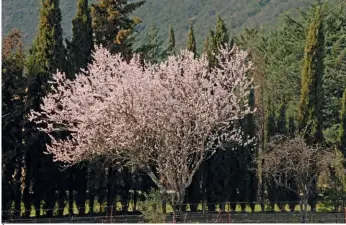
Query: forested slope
[180,13]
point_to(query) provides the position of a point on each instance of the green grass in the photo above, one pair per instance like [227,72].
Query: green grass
[169,209]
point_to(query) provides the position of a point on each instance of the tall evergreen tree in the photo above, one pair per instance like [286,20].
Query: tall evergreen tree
[81,45]
[248,182]
[310,116]
[48,53]
[342,131]
[270,132]
[112,26]
[311,99]
[335,67]
[46,57]
[220,174]
[217,38]
[171,41]
[212,48]
[206,45]
[221,32]
[13,85]
[191,43]
[151,49]
[79,55]
[270,125]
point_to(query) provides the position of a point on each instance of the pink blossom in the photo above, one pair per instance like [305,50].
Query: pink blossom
[163,118]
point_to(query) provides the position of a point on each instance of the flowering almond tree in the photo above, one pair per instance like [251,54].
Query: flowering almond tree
[162,119]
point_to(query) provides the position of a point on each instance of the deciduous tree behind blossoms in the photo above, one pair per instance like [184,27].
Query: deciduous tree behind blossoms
[162,119]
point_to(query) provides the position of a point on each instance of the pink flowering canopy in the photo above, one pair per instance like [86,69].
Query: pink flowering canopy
[161,118]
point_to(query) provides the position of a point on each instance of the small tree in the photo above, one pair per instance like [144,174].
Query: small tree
[152,209]
[335,193]
[298,162]
[151,48]
[171,41]
[191,42]
[163,119]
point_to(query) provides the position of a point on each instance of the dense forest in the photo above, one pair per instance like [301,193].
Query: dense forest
[299,89]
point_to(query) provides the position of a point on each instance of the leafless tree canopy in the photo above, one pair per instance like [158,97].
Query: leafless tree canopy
[295,160]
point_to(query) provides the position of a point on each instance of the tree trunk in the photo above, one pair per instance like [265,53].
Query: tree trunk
[304,210]
[135,197]
[81,187]
[223,206]
[91,204]
[18,192]
[111,191]
[37,197]
[177,205]
[164,205]
[26,194]
[125,194]
[70,192]
[6,198]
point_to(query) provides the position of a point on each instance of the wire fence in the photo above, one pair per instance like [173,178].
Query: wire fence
[198,217]
[227,212]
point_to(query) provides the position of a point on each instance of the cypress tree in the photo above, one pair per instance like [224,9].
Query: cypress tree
[48,52]
[270,132]
[171,41]
[217,39]
[79,55]
[342,131]
[206,45]
[270,125]
[213,48]
[221,33]
[81,45]
[151,49]
[311,99]
[46,56]
[218,176]
[13,85]
[206,49]
[248,181]
[191,43]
